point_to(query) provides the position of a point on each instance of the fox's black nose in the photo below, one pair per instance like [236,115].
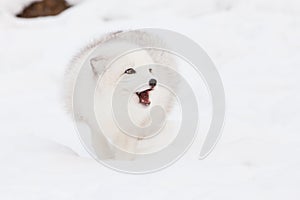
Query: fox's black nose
[152,82]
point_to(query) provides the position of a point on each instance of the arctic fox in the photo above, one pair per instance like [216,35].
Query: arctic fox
[136,76]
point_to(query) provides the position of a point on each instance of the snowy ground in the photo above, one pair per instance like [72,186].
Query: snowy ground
[256,47]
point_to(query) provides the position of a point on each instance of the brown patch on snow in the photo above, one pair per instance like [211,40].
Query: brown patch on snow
[44,8]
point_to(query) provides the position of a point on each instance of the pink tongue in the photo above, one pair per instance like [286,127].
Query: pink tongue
[144,96]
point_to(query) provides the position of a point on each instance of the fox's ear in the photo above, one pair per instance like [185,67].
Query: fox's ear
[98,65]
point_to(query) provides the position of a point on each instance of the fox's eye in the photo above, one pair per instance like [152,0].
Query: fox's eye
[129,71]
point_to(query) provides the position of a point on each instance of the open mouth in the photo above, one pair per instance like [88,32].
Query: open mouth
[144,96]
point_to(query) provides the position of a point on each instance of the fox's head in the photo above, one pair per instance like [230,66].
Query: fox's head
[134,80]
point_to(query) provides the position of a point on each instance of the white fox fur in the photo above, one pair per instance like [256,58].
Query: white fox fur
[110,75]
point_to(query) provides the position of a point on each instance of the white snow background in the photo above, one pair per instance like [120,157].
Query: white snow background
[256,48]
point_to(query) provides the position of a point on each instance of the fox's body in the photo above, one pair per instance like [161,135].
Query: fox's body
[131,79]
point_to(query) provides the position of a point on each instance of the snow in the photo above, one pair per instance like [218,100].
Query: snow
[255,46]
